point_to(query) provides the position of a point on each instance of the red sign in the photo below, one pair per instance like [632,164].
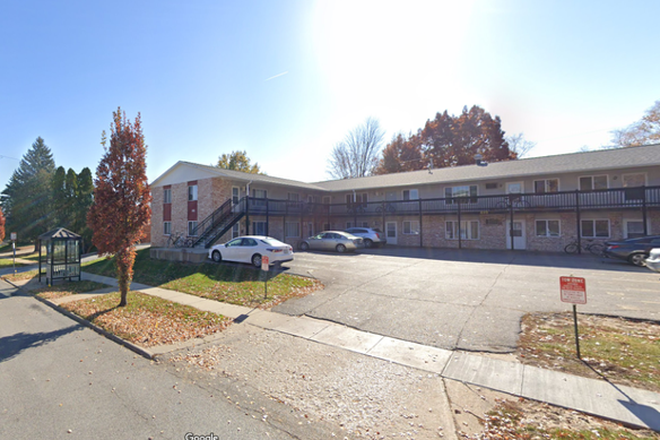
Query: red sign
[265,263]
[573,290]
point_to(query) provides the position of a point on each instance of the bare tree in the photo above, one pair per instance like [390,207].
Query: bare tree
[358,154]
[519,145]
[643,132]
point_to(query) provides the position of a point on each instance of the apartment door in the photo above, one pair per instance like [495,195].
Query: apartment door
[390,232]
[518,232]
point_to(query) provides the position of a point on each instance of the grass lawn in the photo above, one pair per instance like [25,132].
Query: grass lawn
[67,288]
[148,320]
[620,350]
[9,262]
[231,283]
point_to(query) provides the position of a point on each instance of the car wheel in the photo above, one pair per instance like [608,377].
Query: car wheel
[256,260]
[638,259]
[216,256]
[341,248]
[368,243]
[304,246]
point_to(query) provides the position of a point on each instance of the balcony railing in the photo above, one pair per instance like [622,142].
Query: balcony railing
[623,198]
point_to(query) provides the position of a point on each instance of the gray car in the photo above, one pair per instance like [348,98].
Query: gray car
[332,241]
[371,236]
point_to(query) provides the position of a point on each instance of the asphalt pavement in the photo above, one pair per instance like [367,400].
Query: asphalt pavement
[469,300]
[60,380]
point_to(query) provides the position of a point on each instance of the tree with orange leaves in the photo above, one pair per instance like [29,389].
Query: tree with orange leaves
[121,197]
[2,226]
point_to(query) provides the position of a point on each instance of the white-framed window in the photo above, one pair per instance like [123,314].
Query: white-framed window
[192,225]
[411,227]
[259,228]
[467,194]
[593,183]
[293,197]
[633,228]
[410,194]
[192,193]
[546,186]
[235,194]
[326,200]
[167,195]
[235,230]
[292,229]
[260,195]
[310,199]
[167,228]
[547,228]
[599,228]
[469,229]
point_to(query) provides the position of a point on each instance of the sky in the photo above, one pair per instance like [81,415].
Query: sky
[286,80]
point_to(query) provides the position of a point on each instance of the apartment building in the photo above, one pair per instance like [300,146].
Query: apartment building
[537,204]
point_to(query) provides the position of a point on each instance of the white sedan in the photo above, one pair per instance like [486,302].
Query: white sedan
[250,249]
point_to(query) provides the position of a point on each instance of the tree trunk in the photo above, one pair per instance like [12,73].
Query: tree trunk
[125,260]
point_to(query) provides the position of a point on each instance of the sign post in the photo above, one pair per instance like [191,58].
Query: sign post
[13,236]
[574,290]
[265,263]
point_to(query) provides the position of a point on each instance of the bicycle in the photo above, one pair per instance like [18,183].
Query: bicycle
[515,202]
[173,239]
[594,248]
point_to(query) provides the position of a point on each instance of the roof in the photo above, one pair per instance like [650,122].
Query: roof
[237,175]
[591,161]
[60,234]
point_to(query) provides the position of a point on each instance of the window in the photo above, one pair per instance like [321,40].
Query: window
[310,228]
[411,227]
[167,228]
[259,228]
[546,186]
[292,229]
[192,193]
[593,183]
[634,228]
[469,230]
[191,229]
[466,193]
[326,200]
[547,228]
[349,225]
[167,195]
[294,197]
[595,228]
[235,195]
[410,194]
[634,186]
[235,230]
[365,224]
[260,195]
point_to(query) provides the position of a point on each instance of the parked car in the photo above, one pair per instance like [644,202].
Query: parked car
[332,241]
[633,250]
[370,236]
[250,249]
[653,261]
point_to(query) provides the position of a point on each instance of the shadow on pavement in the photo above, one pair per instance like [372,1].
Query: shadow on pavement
[12,345]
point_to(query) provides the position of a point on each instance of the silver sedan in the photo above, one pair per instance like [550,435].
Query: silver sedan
[332,241]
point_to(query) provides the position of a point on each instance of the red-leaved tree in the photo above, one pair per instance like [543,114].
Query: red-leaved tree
[2,226]
[121,197]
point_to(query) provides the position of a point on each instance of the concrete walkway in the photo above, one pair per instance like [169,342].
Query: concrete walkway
[627,405]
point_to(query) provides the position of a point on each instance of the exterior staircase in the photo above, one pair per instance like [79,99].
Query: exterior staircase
[217,224]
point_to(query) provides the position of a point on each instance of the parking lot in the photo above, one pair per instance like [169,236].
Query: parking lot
[471,300]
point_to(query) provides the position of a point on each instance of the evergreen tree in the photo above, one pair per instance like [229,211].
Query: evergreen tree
[28,207]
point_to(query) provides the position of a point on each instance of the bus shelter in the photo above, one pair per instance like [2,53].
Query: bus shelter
[59,255]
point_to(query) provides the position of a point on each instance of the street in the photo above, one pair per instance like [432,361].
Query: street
[62,380]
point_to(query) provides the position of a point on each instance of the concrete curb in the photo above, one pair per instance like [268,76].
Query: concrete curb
[133,347]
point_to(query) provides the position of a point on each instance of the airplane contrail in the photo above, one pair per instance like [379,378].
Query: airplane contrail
[279,74]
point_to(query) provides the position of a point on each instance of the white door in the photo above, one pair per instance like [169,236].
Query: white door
[390,232]
[518,234]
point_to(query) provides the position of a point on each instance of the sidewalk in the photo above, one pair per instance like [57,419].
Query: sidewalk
[624,404]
